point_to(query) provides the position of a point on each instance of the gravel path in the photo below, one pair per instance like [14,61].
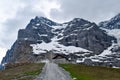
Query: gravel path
[52,71]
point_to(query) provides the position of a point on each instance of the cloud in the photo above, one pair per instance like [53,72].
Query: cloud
[93,10]
[20,19]
[21,15]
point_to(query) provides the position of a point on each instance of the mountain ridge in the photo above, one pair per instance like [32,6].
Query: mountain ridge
[113,23]
[79,38]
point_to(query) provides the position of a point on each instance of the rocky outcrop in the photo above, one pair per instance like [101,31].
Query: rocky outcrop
[21,51]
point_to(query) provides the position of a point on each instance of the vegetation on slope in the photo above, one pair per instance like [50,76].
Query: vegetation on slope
[84,72]
[26,71]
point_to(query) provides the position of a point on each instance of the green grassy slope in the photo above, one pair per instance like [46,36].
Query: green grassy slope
[24,72]
[83,72]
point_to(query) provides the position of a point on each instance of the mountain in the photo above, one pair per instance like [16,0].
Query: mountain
[82,33]
[113,23]
[112,28]
[76,39]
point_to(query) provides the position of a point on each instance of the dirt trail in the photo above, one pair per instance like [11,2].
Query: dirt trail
[52,71]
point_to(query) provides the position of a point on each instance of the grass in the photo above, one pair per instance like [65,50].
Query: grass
[25,72]
[84,72]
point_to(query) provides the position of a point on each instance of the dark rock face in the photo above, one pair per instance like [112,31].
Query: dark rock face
[113,23]
[35,35]
[1,67]
[88,61]
[21,51]
[81,33]
[9,54]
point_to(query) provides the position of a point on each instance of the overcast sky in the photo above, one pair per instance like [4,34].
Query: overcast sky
[16,14]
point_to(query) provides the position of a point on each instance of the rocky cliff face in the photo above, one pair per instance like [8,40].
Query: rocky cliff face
[77,39]
[82,33]
[21,51]
[37,30]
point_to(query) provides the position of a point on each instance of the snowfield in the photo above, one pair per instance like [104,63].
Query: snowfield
[108,50]
[55,46]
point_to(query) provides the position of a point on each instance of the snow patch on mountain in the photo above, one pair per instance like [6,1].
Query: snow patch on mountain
[34,27]
[42,35]
[108,50]
[62,26]
[105,54]
[25,38]
[88,28]
[113,32]
[55,46]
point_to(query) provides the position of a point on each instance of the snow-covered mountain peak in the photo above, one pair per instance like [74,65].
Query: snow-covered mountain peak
[79,24]
[112,27]
[117,17]
[113,23]
[38,22]
[79,21]
[45,20]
